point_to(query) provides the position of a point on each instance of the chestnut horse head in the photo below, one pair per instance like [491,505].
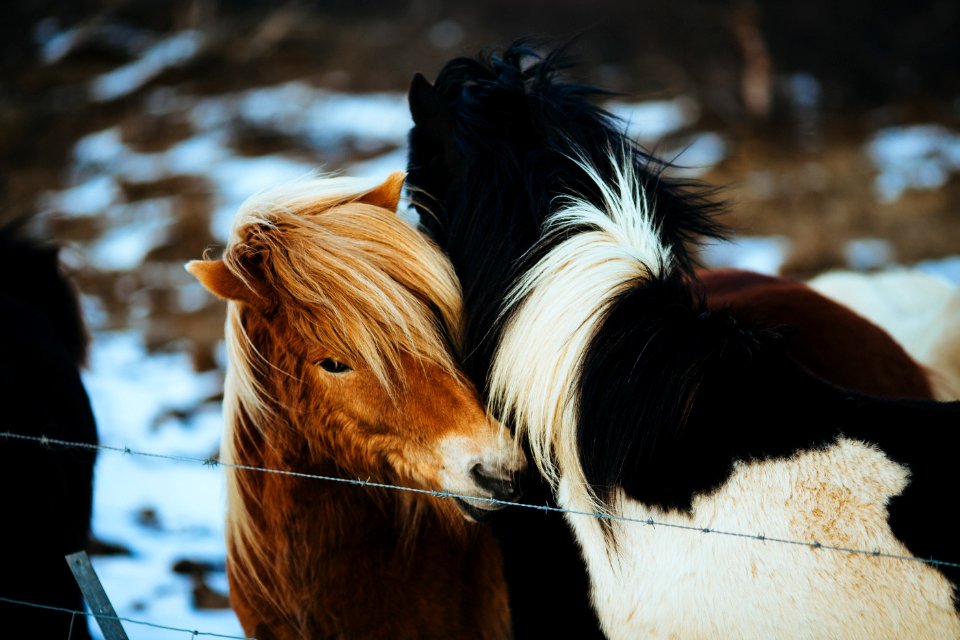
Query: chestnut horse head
[341,328]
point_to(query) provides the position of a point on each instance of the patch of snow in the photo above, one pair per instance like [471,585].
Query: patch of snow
[123,247]
[945,268]
[653,119]
[171,51]
[323,117]
[865,254]
[88,198]
[54,44]
[234,178]
[132,391]
[99,150]
[757,253]
[197,155]
[408,213]
[94,313]
[193,297]
[237,178]
[915,157]
[380,166]
[704,151]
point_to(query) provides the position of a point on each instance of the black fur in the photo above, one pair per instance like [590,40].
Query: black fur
[673,394]
[489,153]
[48,491]
[490,150]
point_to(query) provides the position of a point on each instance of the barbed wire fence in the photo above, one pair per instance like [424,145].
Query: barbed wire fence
[359,482]
[212,462]
[89,614]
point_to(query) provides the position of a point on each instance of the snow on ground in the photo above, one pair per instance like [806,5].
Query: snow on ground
[652,120]
[163,510]
[915,157]
[756,253]
[173,50]
[945,268]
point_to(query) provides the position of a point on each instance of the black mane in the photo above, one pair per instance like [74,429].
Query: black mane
[490,151]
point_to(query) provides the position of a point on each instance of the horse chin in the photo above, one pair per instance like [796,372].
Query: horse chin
[474,513]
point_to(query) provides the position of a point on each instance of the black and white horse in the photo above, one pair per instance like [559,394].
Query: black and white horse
[490,150]
[640,399]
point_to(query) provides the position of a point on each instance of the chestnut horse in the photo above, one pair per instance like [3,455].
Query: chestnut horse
[341,324]
[821,333]
[920,310]
[641,398]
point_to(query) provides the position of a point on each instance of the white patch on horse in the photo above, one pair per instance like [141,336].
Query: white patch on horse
[662,582]
[556,307]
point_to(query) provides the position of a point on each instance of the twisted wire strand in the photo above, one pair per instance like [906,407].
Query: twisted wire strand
[211,462]
[193,632]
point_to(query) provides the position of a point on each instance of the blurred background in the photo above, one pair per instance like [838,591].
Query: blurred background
[131,130]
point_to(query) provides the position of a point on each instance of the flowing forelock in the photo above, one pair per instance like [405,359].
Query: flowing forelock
[349,275]
[592,255]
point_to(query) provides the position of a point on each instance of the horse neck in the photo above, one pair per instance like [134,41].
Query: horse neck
[324,543]
[295,503]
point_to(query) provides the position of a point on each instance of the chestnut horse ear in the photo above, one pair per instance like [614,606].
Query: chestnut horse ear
[387,195]
[426,103]
[219,280]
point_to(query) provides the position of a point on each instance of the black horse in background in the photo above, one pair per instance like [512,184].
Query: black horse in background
[48,491]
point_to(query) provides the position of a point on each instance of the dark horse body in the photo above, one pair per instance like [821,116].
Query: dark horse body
[668,360]
[48,491]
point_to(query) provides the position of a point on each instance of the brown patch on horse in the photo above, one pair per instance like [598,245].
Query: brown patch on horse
[827,338]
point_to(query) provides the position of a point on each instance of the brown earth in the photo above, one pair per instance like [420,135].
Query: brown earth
[788,171]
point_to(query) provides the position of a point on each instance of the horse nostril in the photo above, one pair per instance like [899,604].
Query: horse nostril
[501,488]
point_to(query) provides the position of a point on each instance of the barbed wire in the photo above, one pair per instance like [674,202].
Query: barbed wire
[651,522]
[193,632]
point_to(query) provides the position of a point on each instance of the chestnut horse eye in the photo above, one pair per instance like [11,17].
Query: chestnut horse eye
[333,366]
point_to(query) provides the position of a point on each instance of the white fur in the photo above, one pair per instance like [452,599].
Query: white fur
[555,308]
[920,311]
[495,455]
[661,582]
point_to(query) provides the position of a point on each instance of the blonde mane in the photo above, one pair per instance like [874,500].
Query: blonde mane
[341,272]
[352,275]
